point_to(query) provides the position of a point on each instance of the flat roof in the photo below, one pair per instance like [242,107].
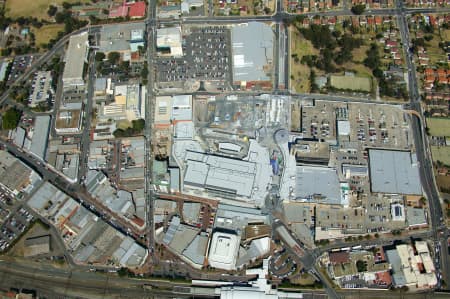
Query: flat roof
[223,250]
[117,37]
[220,173]
[68,119]
[394,172]
[170,37]
[415,216]
[76,53]
[40,136]
[252,51]
[314,181]
[163,109]
[196,250]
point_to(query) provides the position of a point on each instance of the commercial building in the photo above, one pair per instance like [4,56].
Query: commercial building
[252,52]
[394,172]
[182,107]
[128,103]
[40,136]
[412,268]
[122,38]
[223,251]
[88,238]
[219,174]
[69,118]
[168,41]
[15,176]
[75,58]
[321,185]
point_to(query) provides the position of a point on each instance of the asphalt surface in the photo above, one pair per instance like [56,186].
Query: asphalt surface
[422,149]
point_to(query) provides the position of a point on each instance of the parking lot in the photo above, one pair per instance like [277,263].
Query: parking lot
[12,223]
[19,66]
[207,56]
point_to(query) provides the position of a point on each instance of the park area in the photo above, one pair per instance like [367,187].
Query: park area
[350,83]
[47,32]
[438,126]
[441,153]
[33,8]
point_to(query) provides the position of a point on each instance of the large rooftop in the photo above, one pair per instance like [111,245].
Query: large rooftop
[252,51]
[394,172]
[320,182]
[75,55]
[223,250]
[40,136]
[221,173]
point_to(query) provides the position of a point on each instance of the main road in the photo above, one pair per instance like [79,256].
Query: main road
[423,149]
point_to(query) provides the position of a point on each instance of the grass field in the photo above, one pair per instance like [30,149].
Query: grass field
[350,82]
[439,126]
[435,53]
[441,153]
[46,33]
[304,279]
[33,8]
[443,182]
[445,33]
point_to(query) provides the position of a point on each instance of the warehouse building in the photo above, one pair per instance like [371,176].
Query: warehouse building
[394,172]
[252,52]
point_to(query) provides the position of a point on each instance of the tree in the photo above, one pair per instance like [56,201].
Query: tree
[123,272]
[99,56]
[11,118]
[358,9]
[113,57]
[52,10]
[361,266]
[138,125]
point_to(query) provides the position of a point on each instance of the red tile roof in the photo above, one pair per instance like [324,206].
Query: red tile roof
[137,10]
[339,257]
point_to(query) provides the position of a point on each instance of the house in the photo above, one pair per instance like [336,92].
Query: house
[137,10]
[378,21]
[391,44]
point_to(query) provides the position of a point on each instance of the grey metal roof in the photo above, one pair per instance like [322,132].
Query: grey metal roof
[394,172]
[40,136]
[117,37]
[314,181]
[396,263]
[197,249]
[415,216]
[252,51]
[220,173]
[174,179]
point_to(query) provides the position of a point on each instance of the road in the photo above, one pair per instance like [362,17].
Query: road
[148,132]
[85,137]
[422,148]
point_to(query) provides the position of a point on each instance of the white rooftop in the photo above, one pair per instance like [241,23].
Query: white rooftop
[223,251]
[75,56]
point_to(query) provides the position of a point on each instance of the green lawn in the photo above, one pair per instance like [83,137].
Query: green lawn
[441,153]
[438,126]
[33,8]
